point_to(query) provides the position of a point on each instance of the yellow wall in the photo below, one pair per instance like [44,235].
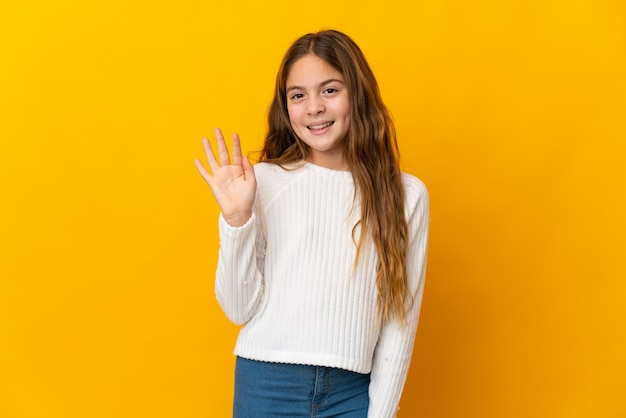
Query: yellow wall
[512,112]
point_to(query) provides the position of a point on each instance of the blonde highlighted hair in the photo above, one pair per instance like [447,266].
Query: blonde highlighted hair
[371,152]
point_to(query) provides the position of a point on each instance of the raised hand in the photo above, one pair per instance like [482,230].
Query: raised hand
[233,184]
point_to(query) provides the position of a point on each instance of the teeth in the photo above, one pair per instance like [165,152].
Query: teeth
[315,127]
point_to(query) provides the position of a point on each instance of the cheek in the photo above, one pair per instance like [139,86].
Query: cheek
[347,117]
[291,117]
[345,109]
[347,113]
[291,114]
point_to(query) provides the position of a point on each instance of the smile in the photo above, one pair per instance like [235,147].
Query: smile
[320,126]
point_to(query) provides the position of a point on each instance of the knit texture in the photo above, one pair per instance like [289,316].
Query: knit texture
[288,276]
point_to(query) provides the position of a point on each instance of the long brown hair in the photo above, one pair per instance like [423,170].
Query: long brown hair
[371,152]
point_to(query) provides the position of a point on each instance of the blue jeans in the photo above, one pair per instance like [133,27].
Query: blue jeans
[269,390]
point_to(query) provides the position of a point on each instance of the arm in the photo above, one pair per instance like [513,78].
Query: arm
[238,280]
[393,352]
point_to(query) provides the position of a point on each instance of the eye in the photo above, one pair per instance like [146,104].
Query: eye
[296,96]
[330,90]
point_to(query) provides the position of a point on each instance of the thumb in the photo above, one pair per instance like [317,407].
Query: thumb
[248,169]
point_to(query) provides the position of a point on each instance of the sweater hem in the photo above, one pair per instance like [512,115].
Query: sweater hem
[305,358]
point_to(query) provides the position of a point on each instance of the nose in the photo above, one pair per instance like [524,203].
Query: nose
[315,106]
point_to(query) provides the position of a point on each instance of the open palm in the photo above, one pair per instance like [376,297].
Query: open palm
[233,183]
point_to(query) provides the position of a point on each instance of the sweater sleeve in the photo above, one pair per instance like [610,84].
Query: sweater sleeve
[238,281]
[393,351]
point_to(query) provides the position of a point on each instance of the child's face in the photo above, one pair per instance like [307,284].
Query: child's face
[319,109]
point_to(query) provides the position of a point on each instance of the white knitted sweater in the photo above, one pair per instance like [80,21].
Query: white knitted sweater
[288,276]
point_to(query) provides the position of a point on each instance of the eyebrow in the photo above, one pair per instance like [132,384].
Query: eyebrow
[323,83]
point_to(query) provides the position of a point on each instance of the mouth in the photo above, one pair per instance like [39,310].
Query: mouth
[320,126]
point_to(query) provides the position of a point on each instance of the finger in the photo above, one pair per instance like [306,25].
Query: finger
[210,156]
[203,172]
[221,148]
[236,150]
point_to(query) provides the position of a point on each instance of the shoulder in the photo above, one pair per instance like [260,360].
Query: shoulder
[273,179]
[263,169]
[414,187]
[416,194]
[270,173]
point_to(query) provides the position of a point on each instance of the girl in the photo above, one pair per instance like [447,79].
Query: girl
[322,244]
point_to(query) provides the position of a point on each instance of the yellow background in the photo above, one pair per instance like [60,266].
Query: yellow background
[512,112]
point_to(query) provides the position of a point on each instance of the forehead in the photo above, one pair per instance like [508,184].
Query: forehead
[311,71]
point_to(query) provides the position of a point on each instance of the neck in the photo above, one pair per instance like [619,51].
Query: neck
[333,162]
